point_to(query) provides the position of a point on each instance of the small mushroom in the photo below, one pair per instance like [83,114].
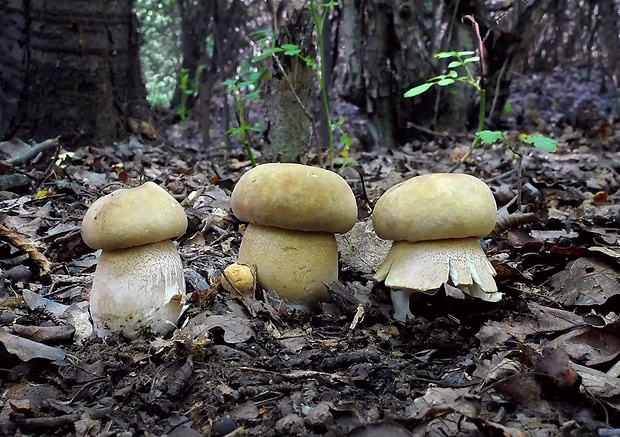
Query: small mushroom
[435,221]
[239,279]
[294,211]
[138,286]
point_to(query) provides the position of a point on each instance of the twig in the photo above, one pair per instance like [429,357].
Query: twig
[364,193]
[497,86]
[302,374]
[33,151]
[434,132]
[27,247]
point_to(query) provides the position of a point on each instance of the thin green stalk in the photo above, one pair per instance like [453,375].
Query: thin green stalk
[319,21]
[243,132]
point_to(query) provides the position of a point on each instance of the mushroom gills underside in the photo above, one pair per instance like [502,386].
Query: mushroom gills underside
[425,266]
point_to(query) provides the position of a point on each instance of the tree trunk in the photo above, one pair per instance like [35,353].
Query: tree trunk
[387,51]
[287,99]
[70,68]
[610,37]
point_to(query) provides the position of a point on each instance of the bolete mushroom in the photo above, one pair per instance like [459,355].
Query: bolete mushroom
[138,286]
[294,211]
[435,221]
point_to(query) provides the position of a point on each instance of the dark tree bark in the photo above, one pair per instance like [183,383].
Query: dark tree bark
[387,51]
[610,36]
[70,68]
[289,91]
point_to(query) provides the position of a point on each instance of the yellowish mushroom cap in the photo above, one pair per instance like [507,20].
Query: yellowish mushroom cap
[295,196]
[435,207]
[132,217]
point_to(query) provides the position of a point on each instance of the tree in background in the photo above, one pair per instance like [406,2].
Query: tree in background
[70,68]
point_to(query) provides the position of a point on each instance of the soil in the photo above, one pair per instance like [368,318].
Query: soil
[541,362]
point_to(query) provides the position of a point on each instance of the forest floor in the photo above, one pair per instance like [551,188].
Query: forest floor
[541,362]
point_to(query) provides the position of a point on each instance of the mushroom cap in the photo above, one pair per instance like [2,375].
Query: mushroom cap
[295,196]
[239,279]
[132,217]
[435,207]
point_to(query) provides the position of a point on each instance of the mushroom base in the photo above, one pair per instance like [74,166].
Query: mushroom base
[426,265]
[138,290]
[296,265]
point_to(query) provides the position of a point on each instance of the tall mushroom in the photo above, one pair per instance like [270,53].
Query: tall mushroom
[138,286]
[294,211]
[435,221]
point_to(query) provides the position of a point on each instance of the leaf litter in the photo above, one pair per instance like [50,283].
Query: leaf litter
[543,361]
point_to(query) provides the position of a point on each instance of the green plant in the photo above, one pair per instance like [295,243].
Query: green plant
[488,137]
[189,87]
[245,87]
[460,63]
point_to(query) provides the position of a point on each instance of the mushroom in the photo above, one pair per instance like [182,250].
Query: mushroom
[294,211]
[239,279]
[435,221]
[138,286]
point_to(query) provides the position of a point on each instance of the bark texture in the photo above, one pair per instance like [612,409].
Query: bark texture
[289,92]
[70,68]
[388,44]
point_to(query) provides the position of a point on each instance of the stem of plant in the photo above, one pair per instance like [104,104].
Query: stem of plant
[243,133]
[319,21]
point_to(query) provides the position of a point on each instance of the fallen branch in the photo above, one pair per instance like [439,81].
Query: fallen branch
[302,374]
[33,151]
[29,248]
[32,424]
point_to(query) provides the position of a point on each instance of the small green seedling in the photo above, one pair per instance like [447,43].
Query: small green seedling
[460,63]
[189,88]
[488,137]
[461,59]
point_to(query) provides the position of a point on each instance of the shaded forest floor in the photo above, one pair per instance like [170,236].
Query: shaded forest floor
[543,361]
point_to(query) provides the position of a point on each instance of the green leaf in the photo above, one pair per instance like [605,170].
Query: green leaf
[453,74]
[310,62]
[472,59]
[229,82]
[291,49]
[455,64]
[346,141]
[418,90]
[340,121]
[234,131]
[543,143]
[445,82]
[443,55]
[489,136]
[507,108]
[466,53]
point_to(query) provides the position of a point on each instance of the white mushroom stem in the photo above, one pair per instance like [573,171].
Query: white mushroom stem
[426,265]
[139,289]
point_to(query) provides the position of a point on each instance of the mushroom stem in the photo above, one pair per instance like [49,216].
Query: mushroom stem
[295,264]
[138,289]
[400,303]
